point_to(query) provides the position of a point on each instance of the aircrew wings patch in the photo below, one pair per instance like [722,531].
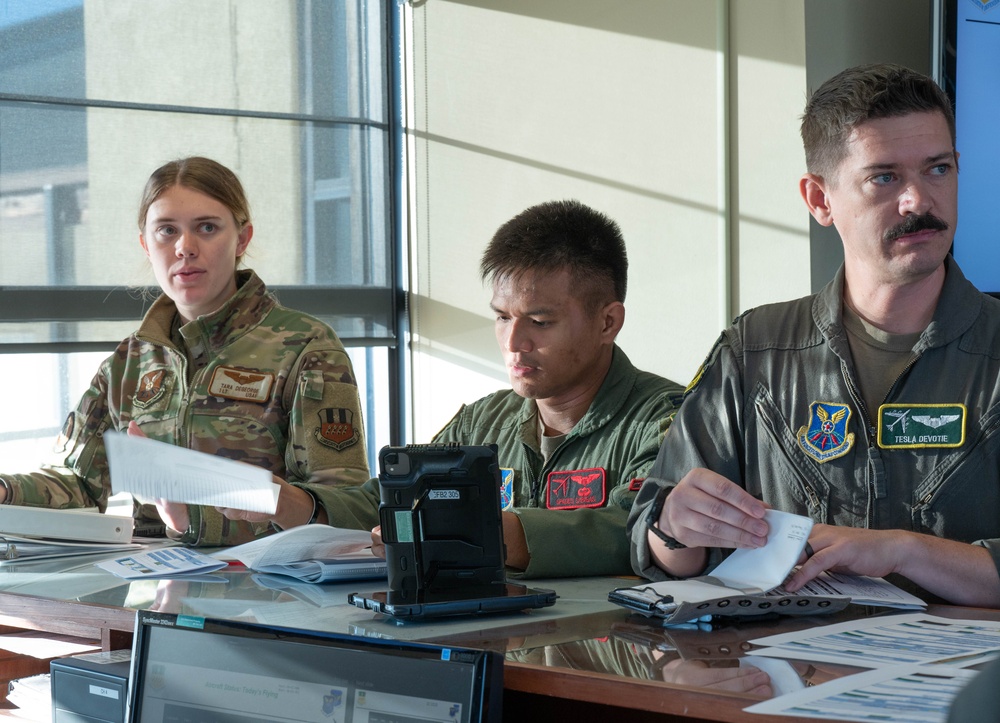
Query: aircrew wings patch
[575,489]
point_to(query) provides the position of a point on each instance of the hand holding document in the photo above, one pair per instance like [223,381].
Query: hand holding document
[151,470]
[748,583]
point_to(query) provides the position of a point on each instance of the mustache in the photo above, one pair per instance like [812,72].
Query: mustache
[914,223]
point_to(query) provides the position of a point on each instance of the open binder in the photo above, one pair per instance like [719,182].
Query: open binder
[745,584]
[36,533]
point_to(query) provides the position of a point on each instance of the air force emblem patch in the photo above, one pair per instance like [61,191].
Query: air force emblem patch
[506,489]
[826,437]
[151,388]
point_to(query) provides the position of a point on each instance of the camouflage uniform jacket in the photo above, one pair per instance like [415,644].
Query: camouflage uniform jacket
[573,507]
[253,381]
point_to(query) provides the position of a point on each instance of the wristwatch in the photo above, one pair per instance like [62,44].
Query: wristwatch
[654,517]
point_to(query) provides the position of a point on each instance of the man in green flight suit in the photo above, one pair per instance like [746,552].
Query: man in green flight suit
[581,426]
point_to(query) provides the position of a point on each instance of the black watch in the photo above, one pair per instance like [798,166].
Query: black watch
[654,516]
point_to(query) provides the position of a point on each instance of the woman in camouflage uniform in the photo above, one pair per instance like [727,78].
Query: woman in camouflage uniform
[216,365]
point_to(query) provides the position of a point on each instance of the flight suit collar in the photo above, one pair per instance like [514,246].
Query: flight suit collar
[610,398]
[241,313]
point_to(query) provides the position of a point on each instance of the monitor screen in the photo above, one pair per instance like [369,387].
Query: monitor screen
[971,58]
[192,670]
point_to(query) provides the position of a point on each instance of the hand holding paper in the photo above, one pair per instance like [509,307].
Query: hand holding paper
[154,470]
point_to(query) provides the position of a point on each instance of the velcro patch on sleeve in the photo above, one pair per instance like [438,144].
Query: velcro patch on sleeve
[575,489]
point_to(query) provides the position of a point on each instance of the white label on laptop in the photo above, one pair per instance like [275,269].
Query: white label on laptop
[104,692]
[444,495]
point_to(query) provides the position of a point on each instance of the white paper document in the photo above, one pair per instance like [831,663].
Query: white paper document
[306,542]
[767,567]
[876,695]
[862,590]
[151,470]
[891,640]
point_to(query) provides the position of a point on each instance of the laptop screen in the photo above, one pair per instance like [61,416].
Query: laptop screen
[192,670]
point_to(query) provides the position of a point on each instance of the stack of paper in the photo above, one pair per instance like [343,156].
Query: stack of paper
[916,658]
[312,553]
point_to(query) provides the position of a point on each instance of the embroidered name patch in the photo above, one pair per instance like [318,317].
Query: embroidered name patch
[246,386]
[826,437]
[910,426]
[574,489]
[336,428]
[506,489]
[152,386]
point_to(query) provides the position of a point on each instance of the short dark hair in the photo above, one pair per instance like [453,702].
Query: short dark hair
[860,94]
[561,235]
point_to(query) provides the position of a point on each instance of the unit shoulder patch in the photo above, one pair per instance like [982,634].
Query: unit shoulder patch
[506,489]
[337,429]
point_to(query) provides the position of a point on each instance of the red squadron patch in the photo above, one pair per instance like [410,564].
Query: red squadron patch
[576,488]
[336,428]
[636,484]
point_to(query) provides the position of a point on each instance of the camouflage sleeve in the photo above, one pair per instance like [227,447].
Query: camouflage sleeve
[77,475]
[349,507]
[326,437]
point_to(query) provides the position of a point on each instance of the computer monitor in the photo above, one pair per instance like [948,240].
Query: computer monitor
[970,56]
[196,670]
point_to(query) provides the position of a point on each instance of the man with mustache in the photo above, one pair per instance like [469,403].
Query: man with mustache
[580,427]
[872,407]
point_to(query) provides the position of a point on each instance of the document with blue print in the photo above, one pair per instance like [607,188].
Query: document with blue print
[893,640]
[151,470]
[898,694]
[162,562]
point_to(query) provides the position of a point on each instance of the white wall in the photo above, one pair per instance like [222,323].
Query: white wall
[626,107]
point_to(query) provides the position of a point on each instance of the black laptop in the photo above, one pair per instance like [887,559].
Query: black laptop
[443,534]
[189,669]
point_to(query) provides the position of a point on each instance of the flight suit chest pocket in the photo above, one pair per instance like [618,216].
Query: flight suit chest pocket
[777,469]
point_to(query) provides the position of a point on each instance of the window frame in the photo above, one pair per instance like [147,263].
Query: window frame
[383,306]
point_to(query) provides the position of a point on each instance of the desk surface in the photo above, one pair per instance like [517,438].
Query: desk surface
[583,657]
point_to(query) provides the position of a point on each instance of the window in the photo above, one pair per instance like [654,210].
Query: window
[293,95]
